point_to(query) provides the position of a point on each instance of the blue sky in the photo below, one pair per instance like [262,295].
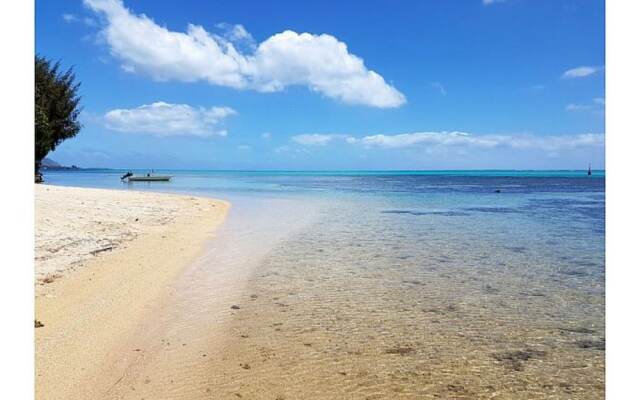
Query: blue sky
[332,84]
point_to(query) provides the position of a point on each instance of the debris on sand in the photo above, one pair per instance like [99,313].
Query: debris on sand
[100,250]
[38,324]
[401,350]
[235,307]
[49,278]
[578,330]
[515,359]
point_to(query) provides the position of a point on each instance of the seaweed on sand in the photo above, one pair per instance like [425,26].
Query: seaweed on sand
[515,359]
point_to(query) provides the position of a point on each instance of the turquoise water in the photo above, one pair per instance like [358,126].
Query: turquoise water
[536,207]
[415,284]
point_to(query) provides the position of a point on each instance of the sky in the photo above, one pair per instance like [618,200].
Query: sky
[332,85]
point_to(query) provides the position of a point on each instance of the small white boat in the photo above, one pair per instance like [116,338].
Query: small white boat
[130,177]
[149,178]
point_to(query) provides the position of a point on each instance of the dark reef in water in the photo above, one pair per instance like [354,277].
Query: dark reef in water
[412,212]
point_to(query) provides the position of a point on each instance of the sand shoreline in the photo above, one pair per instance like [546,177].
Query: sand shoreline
[104,260]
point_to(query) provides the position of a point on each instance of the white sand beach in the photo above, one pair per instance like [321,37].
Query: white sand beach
[103,259]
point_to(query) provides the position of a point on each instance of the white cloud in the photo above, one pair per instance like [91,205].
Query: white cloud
[89,21]
[266,135]
[459,140]
[597,106]
[244,147]
[578,107]
[579,72]
[237,32]
[69,18]
[410,139]
[320,62]
[282,149]
[314,139]
[237,35]
[489,2]
[535,88]
[165,119]
[463,139]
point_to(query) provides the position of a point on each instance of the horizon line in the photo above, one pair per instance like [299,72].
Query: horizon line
[318,170]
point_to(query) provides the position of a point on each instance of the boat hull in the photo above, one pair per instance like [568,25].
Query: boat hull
[149,179]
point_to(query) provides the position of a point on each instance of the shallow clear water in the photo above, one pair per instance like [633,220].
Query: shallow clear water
[415,285]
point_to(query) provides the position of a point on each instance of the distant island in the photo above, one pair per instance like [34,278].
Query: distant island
[49,164]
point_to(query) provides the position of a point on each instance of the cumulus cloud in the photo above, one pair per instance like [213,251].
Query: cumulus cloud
[579,72]
[314,139]
[320,62]
[165,119]
[266,135]
[464,139]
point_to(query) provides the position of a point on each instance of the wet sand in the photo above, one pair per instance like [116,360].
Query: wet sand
[183,350]
[105,264]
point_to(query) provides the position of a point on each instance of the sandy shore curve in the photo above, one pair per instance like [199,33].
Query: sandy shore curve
[104,260]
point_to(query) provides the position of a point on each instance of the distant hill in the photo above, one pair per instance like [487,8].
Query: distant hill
[48,163]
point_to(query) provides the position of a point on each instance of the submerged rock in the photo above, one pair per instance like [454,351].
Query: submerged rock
[598,344]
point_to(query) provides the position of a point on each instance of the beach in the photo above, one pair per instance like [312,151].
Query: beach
[105,261]
[320,201]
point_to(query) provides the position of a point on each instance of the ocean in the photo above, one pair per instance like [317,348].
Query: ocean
[411,284]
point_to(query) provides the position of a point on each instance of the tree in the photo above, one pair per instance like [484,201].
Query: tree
[56,108]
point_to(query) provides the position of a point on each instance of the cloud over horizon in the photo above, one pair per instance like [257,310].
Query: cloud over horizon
[460,140]
[597,106]
[490,2]
[322,63]
[165,119]
[314,139]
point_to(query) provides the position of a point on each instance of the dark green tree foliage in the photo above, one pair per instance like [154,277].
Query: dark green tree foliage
[56,107]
